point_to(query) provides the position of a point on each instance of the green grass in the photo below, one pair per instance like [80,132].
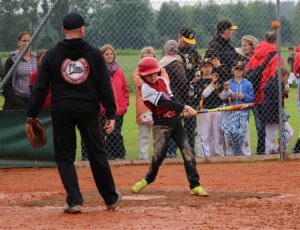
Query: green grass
[128,60]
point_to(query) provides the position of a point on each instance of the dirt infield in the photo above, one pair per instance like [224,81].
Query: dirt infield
[261,195]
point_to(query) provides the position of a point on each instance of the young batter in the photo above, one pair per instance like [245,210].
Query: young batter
[158,97]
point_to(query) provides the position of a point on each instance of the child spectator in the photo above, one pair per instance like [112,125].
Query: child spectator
[208,86]
[271,111]
[32,79]
[235,124]
[158,97]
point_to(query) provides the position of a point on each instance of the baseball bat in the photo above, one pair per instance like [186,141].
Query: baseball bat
[237,107]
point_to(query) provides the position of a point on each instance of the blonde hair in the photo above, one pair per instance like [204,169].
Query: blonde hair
[147,50]
[40,53]
[108,47]
[251,40]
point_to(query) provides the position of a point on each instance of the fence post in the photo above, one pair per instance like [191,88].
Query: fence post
[278,31]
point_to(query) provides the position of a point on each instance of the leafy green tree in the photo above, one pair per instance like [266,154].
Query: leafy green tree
[296,24]
[170,20]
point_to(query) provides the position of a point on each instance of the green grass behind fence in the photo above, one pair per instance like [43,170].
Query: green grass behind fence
[128,60]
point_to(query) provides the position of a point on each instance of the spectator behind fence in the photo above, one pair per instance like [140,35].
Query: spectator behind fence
[191,59]
[16,90]
[235,124]
[208,85]
[114,141]
[221,47]
[290,61]
[261,53]
[249,43]
[32,79]
[270,111]
[172,62]
[143,114]
[296,69]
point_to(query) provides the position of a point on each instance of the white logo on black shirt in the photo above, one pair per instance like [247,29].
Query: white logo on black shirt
[75,72]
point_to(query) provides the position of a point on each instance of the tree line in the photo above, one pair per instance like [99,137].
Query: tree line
[132,24]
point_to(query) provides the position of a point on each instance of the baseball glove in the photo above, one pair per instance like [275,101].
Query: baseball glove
[35,132]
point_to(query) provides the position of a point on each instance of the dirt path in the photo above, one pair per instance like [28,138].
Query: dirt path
[262,195]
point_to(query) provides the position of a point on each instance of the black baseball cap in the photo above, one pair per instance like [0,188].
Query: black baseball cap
[188,35]
[225,25]
[239,64]
[73,21]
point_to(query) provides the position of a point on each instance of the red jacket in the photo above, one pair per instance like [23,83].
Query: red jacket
[32,80]
[260,54]
[296,66]
[121,93]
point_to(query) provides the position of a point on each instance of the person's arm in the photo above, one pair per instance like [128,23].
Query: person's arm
[1,69]
[296,66]
[137,80]
[41,88]
[211,87]
[125,90]
[226,91]
[170,104]
[249,94]
[222,71]
[161,99]
[8,64]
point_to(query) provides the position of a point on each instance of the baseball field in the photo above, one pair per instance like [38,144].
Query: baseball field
[248,195]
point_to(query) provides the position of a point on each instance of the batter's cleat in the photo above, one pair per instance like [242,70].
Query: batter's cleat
[199,191]
[113,206]
[139,186]
[72,209]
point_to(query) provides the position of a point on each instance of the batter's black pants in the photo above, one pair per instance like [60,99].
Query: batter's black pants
[161,137]
[64,133]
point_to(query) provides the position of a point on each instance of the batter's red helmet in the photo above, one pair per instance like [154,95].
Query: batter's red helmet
[148,65]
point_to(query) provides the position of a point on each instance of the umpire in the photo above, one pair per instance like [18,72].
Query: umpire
[79,82]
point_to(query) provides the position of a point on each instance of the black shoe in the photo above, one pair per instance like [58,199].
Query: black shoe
[72,209]
[113,206]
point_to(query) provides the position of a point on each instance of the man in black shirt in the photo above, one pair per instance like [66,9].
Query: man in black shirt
[220,45]
[79,82]
[191,59]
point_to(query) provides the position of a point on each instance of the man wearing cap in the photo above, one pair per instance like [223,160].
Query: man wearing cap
[191,59]
[220,45]
[79,82]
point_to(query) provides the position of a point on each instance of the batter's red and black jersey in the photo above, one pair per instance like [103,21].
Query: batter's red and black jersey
[152,93]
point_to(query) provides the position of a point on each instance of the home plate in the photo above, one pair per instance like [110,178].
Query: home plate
[142,197]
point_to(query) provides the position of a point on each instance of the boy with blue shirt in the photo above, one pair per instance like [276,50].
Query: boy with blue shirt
[235,124]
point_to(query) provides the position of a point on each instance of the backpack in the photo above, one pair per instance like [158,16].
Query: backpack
[255,75]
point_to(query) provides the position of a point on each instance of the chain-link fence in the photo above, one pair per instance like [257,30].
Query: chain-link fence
[222,54]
